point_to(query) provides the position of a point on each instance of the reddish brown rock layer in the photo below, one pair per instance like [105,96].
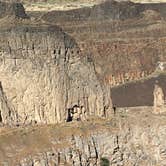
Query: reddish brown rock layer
[121,47]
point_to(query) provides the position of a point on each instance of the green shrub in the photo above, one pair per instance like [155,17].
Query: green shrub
[104,162]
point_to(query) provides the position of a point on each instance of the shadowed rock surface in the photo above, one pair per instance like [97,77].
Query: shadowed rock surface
[138,93]
[106,10]
[12,9]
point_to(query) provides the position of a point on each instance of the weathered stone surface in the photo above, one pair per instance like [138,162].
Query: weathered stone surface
[46,79]
[5,110]
[135,138]
[109,9]
[130,37]
[159,100]
[12,9]
[44,75]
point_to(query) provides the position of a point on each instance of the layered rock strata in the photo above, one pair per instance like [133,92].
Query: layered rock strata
[121,37]
[109,9]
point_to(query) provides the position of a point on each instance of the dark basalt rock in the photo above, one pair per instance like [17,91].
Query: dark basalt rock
[12,9]
[106,10]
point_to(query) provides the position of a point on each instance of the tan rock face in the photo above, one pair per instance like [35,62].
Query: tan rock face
[5,109]
[134,138]
[43,76]
[159,99]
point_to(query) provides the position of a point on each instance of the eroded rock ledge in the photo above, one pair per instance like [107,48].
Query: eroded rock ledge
[44,76]
[136,137]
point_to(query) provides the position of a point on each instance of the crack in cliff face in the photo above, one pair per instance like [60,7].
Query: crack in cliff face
[43,74]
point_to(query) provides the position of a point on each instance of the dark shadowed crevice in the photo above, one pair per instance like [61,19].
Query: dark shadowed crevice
[0,117]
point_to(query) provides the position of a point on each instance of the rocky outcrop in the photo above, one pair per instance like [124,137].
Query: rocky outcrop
[159,100]
[136,138]
[122,78]
[44,75]
[110,9]
[12,9]
[5,110]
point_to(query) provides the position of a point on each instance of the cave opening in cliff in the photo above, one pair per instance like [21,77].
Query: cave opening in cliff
[114,109]
[0,117]
[69,116]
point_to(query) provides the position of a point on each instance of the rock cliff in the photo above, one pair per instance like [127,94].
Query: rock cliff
[46,79]
[159,100]
[125,40]
[44,75]
[133,138]
[12,9]
[109,9]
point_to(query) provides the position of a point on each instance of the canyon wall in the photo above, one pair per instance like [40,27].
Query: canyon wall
[48,77]
[133,138]
[109,9]
[44,76]
[126,41]
[123,56]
